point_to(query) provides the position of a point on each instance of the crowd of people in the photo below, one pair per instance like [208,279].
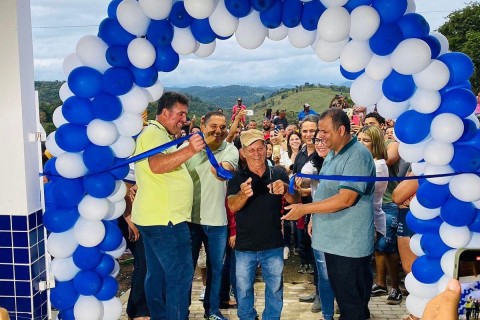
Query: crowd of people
[181,202]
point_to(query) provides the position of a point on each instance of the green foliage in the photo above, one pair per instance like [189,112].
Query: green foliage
[462,30]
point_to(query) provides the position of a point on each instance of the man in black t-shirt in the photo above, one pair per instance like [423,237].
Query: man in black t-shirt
[255,194]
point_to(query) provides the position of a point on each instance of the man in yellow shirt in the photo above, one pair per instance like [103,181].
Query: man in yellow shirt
[162,208]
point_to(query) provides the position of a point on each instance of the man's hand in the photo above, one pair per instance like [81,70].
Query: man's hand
[246,188]
[132,192]
[196,143]
[310,227]
[444,305]
[241,113]
[277,187]
[231,241]
[296,212]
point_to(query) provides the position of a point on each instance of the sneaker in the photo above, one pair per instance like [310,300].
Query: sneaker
[378,290]
[309,298]
[202,295]
[310,269]
[286,253]
[316,305]
[303,268]
[216,317]
[295,251]
[394,297]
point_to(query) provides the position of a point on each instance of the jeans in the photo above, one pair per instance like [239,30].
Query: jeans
[168,252]
[327,296]
[391,216]
[271,262]
[304,246]
[215,240]
[137,303]
[228,276]
[351,280]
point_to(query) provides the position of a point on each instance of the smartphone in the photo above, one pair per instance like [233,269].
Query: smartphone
[249,112]
[276,151]
[355,120]
[467,265]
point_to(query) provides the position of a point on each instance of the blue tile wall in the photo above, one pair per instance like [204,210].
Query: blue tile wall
[19,223]
[5,223]
[5,239]
[6,271]
[20,239]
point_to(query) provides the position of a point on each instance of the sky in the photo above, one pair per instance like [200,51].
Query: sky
[57,25]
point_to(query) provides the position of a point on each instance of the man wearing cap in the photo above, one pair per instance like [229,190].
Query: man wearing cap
[255,194]
[281,122]
[236,109]
[305,112]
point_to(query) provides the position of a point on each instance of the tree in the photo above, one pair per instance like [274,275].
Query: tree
[462,30]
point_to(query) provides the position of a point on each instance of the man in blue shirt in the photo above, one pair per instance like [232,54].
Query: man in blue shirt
[306,111]
[343,216]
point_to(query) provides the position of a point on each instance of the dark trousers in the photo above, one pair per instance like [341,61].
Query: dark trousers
[228,276]
[304,247]
[137,302]
[351,280]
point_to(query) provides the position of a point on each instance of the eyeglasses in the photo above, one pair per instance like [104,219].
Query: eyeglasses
[318,141]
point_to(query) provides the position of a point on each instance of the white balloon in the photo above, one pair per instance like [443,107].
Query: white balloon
[444,45]
[434,77]
[419,289]
[454,237]
[415,245]
[102,133]
[91,52]
[129,124]
[365,21]
[412,152]
[123,147]
[443,282]
[390,109]
[447,127]
[334,24]
[58,118]
[112,309]
[70,165]
[379,67]
[222,22]
[420,212]
[465,187]
[329,51]
[418,168]
[416,305]
[333,3]
[132,18]
[431,170]
[365,91]
[135,100]
[119,192]
[116,209]
[64,93]
[89,233]
[63,269]
[438,153]
[205,50]
[119,251]
[475,241]
[475,120]
[61,244]
[200,9]
[155,91]
[356,55]
[251,33]
[71,62]
[301,38]
[141,53]
[116,269]
[183,41]
[52,146]
[88,308]
[411,56]
[93,208]
[447,262]
[279,33]
[157,10]
[411,7]
[425,101]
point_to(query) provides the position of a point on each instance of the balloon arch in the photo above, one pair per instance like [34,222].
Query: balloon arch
[384,47]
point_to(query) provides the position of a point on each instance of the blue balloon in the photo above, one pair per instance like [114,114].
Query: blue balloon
[145,77]
[470,131]
[113,237]
[224,38]
[432,195]
[112,33]
[121,172]
[167,59]
[460,66]
[457,213]
[160,32]
[87,258]
[465,159]
[67,192]
[433,246]
[72,137]
[386,39]
[311,14]
[87,282]
[66,314]
[351,75]
[272,18]
[408,130]
[352,4]
[117,81]
[50,171]
[49,195]
[98,158]
[106,265]
[112,8]
[398,87]
[106,106]
[108,289]
[434,45]
[117,56]
[262,5]
[390,11]
[238,8]
[179,16]
[85,82]
[77,110]
[63,295]
[292,13]
[99,185]
[461,102]
[414,25]
[427,269]
[57,219]
[423,226]
[202,31]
